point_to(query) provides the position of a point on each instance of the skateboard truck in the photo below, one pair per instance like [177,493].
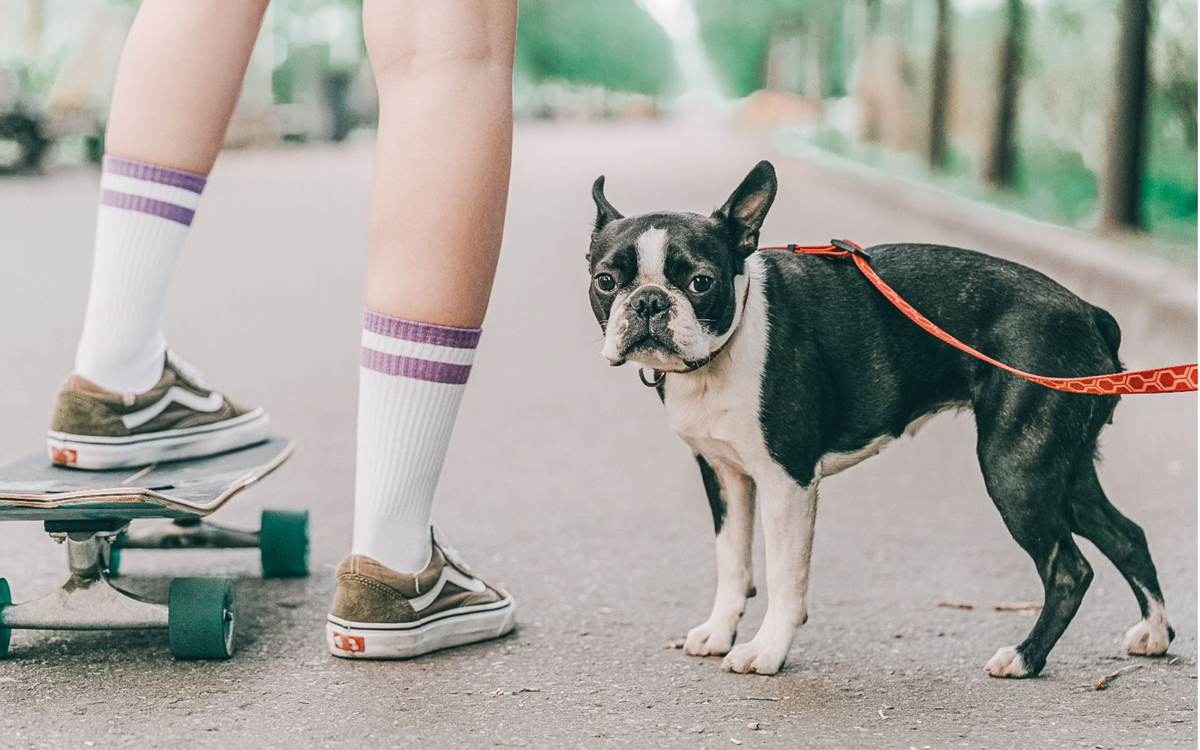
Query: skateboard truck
[187,533]
[282,540]
[199,615]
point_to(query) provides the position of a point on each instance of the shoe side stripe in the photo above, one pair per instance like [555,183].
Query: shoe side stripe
[450,574]
[68,439]
[474,609]
[208,404]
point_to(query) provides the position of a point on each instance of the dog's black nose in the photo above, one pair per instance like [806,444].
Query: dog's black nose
[649,301]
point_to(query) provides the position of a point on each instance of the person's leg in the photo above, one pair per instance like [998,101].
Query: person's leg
[179,78]
[438,195]
[443,69]
[444,74]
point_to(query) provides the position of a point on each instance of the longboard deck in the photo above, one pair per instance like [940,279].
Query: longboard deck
[33,489]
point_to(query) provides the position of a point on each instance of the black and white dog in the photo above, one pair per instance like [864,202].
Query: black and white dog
[783,368]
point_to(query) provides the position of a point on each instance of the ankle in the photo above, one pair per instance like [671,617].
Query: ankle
[122,369]
[399,544]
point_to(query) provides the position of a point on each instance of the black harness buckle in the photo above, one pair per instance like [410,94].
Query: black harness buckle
[853,250]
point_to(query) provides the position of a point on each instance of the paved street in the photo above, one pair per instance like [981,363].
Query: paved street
[565,484]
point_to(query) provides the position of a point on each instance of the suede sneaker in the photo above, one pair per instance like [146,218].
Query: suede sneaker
[381,614]
[180,417]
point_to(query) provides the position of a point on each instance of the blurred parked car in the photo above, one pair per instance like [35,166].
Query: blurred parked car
[24,140]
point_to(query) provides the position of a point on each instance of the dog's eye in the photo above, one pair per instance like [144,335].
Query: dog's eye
[605,282]
[701,284]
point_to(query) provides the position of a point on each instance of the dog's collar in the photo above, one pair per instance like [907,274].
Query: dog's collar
[661,375]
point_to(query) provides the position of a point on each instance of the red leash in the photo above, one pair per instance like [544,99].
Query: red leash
[1173,379]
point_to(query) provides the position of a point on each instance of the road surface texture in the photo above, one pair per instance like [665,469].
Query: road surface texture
[565,484]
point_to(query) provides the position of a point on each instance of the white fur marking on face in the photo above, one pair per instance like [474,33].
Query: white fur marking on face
[617,325]
[652,256]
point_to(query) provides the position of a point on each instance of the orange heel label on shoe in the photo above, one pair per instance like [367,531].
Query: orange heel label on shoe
[62,456]
[346,642]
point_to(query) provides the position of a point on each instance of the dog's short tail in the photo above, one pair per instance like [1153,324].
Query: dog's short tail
[1110,332]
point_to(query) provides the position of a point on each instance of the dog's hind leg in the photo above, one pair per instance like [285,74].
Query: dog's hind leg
[731,497]
[1123,542]
[1028,481]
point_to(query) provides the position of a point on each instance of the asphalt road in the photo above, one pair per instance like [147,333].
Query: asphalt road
[565,484]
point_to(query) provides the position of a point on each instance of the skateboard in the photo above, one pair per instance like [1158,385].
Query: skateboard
[91,512]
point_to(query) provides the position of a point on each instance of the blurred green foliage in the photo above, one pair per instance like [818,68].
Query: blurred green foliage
[1060,134]
[737,36]
[613,43]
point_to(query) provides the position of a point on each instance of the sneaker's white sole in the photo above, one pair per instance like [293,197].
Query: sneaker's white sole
[366,640]
[89,452]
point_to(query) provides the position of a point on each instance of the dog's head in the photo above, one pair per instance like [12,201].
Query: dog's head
[668,287]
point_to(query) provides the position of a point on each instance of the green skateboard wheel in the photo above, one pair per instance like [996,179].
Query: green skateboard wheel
[283,542]
[201,618]
[5,633]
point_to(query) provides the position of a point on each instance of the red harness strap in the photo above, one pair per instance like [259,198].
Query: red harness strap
[1173,379]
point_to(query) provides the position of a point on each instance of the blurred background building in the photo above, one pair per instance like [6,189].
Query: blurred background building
[1079,112]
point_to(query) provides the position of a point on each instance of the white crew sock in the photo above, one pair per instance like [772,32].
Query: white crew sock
[145,211]
[410,384]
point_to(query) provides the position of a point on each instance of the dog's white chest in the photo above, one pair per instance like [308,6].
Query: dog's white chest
[716,409]
[717,419]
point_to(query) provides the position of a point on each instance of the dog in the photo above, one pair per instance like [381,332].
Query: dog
[779,369]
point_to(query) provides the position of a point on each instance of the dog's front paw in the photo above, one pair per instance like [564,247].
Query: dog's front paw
[760,656]
[1007,663]
[712,638]
[1150,637]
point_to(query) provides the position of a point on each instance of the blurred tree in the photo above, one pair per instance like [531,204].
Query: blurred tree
[736,36]
[1120,205]
[829,30]
[871,111]
[939,90]
[614,44]
[873,15]
[998,163]
[1169,194]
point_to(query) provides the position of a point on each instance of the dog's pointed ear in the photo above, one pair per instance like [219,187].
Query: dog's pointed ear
[604,210]
[746,209]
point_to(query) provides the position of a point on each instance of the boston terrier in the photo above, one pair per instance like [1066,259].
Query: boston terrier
[779,369]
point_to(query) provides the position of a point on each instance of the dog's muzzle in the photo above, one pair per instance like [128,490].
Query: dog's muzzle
[647,320]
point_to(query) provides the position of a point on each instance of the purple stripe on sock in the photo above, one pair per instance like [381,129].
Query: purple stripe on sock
[147,206]
[154,173]
[422,333]
[411,367]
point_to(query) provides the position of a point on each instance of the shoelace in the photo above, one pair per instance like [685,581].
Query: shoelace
[451,554]
[188,370]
